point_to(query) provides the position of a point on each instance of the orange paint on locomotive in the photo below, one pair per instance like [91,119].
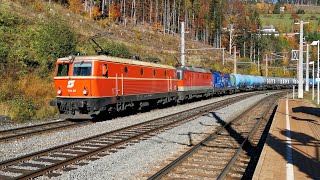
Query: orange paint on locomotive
[120,79]
[192,80]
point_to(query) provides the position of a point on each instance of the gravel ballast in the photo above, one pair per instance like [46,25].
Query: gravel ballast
[136,159]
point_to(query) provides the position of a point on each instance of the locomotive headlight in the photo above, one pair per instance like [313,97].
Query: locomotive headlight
[85,92]
[59,92]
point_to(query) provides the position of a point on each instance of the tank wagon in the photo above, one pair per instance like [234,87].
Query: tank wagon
[87,85]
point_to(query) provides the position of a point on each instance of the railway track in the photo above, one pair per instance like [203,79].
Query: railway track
[226,153]
[28,131]
[46,162]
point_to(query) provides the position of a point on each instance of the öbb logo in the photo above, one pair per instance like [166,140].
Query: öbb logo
[71,83]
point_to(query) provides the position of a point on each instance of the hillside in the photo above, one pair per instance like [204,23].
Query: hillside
[140,40]
[33,35]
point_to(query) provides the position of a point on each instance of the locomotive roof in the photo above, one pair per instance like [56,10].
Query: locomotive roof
[117,60]
[195,69]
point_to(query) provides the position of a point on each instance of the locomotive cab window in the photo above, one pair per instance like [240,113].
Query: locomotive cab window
[179,75]
[105,71]
[82,69]
[63,70]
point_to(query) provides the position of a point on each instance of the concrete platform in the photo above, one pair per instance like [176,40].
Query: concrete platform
[292,148]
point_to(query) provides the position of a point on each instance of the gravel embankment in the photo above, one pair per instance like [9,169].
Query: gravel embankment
[133,161]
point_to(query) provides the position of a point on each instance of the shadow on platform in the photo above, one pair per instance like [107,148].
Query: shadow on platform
[307,110]
[306,164]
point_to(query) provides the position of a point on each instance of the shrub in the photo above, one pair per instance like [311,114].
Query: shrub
[15,52]
[313,17]
[25,2]
[8,89]
[21,108]
[45,112]
[34,87]
[116,49]
[52,39]
[8,19]
[38,6]
[8,22]
[300,11]
[294,16]
[75,6]
[119,50]
[276,9]
[4,48]
[27,98]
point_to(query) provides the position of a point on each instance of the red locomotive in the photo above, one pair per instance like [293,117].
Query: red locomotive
[90,84]
[194,83]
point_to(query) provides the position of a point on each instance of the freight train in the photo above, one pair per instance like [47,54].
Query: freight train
[88,85]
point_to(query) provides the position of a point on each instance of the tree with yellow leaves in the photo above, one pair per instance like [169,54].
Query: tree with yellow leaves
[115,12]
[95,12]
[75,6]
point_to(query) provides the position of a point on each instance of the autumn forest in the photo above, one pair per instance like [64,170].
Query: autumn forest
[34,33]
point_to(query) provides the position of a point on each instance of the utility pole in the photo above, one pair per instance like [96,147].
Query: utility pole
[300,71]
[251,48]
[235,61]
[183,51]
[318,78]
[258,61]
[223,56]
[230,40]
[244,49]
[266,65]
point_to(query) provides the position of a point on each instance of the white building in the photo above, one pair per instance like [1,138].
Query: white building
[269,30]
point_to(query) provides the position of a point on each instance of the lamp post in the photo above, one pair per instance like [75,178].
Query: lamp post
[307,69]
[313,44]
[312,62]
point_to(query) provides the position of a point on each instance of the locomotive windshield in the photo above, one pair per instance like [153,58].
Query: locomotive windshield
[82,69]
[63,69]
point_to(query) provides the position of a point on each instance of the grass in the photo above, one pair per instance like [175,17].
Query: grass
[308,96]
[308,9]
[284,23]
[26,98]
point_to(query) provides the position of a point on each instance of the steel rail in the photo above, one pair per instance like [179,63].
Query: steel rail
[57,148]
[231,163]
[37,129]
[195,148]
[216,105]
[27,131]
